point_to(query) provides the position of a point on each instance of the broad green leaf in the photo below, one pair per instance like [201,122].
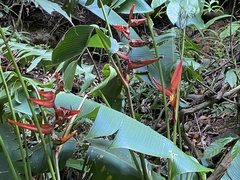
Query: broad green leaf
[89,2]
[105,162]
[211,21]
[12,146]
[235,149]
[216,147]
[75,163]
[226,33]
[231,78]
[73,44]
[117,162]
[51,6]
[109,73]
[100,40]
[173,11]
[140,7]
[233,170]
[131,134]
[157,3]
[88,76]
[112,92]
[38,159]
[69,75]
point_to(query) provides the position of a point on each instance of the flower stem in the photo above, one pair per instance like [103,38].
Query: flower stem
[163,88]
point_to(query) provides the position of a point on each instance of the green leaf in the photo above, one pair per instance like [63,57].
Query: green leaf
[89,77]
[131,134]
[69,75]
[75,163]
[211,21]
[51,6]
[12,146]
[112,92]
[140,7]
[233,170]
[114,163]
[173,11]
[157,3]
[89,2]
[235,149]
[216,147]
[109,74]
[231,78]
[226,33]
[38,159]
[73,44]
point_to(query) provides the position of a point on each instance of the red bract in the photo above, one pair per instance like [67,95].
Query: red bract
[47,94]
[176,76]
[62,113]
[122,29]
[137,43]
[64,139]
[45,128]
[131,13]
[136,22]
[137,64]
[174,84]
[123,55]
[49,103]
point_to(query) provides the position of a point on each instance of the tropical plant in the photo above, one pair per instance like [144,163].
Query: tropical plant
[160,61]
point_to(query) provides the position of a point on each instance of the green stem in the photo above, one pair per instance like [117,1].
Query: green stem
[35,120]
[136,164]
[26,170]
[163,92]
[8,159]
[110,33]
[126,86]
[160,76]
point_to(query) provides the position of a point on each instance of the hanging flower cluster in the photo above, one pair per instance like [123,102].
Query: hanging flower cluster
[171,93]
[125,31]
[61,115]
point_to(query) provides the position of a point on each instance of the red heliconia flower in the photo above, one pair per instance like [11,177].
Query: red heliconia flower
[45,128]
[59,84]
[49,103]
[123,55]
[140,63]
[137,43]
[176,76]
[63,113]
[174,84]
[47,94]
[123,29]
[131,13]
[62,140]
[136,22]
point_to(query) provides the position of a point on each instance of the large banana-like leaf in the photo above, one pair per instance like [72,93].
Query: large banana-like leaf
[11,144]
[131,134]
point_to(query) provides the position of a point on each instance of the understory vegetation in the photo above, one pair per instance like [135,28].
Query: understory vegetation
[117,89]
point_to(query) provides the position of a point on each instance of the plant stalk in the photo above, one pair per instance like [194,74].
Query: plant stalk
[163,89]
[8,159]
